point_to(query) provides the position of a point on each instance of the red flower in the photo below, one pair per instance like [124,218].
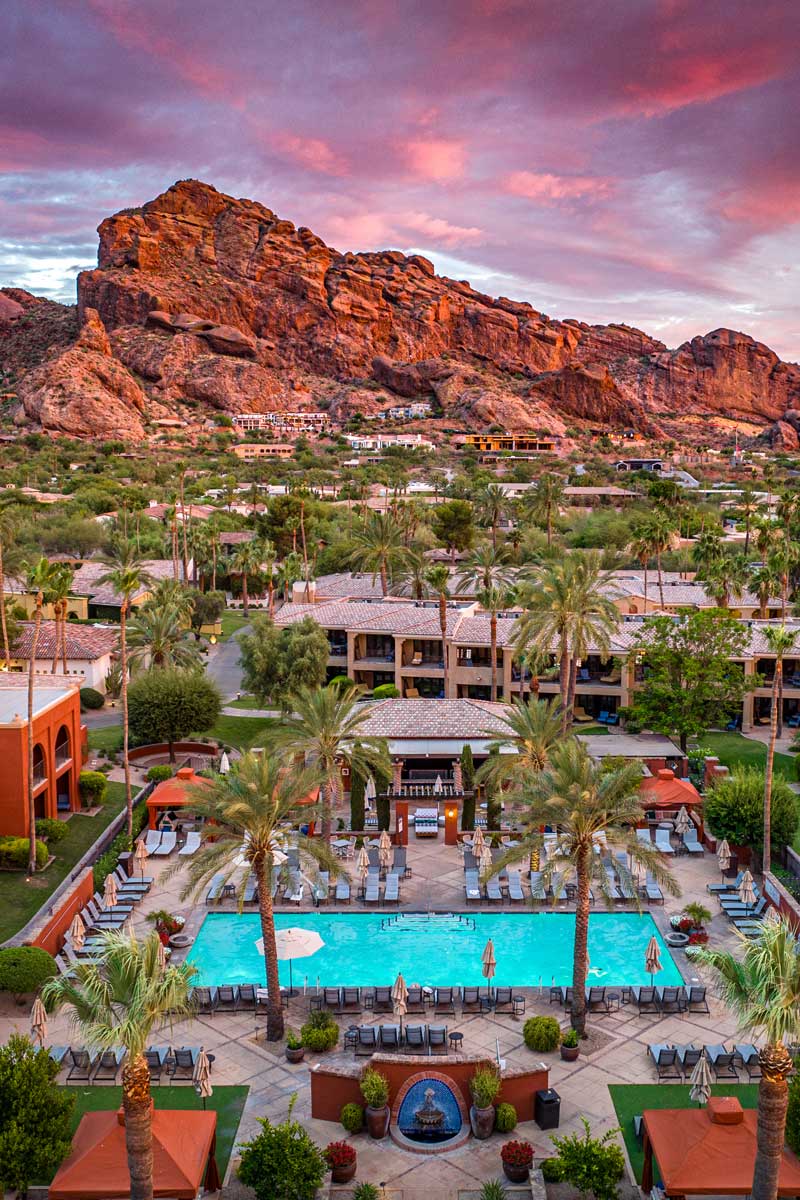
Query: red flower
[517,1154]
[339,1154]
[698,938]
[164,937]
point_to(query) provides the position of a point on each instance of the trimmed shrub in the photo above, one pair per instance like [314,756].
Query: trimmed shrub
[93,788]
[51,830]
[282,1161]
[552,1171]
[484,1086]
[352,1118]
[14,853]
[385,691]
[734,809]
[383,811]
[542,1034]
[320,1032]
[91,698]
[341,681]
[24,969]
[159,773]
[505,1118]
[108,861]
[357,788]
[374,1088]
[591,1164]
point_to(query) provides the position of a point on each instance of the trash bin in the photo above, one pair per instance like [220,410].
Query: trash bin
[127,863]
[547,1108]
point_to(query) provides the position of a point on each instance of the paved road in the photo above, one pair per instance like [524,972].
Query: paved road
[223,665]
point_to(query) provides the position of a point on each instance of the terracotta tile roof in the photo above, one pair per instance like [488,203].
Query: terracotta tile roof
[84,642]
[456,719]
[362,617]
[85,581]
[235,537]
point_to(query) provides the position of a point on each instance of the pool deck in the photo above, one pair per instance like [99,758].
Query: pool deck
[615,1051]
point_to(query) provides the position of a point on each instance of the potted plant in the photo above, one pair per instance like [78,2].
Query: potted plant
[375,1090]
[517,1158]
[341,1158]
[484,1086]
[295,1050]
[697,914]
[570,1047]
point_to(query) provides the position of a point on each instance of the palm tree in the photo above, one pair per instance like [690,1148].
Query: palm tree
[411,579]
[595,617]
[492,503]
[10,560]
[766,582]
[40,583]
[325,730]
[533,731]
[120,1000]
[267,555]
[60,584]
[246,562]
[158,638]
[289,572]
[488,573]
[591,808]
[659,531]
[248,814]
[213,545]
[378,548]
[544,501]
[438,580]
[127,576]
[727,578]
[169,594]
[642,550]
[780,641]
[762,986]
[748,506]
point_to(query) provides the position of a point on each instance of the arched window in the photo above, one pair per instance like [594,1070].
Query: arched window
[39,768]
[63,749]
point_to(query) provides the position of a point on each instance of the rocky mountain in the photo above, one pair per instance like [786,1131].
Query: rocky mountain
[201,302]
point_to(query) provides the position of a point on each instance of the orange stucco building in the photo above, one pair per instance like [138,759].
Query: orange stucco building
[58,740]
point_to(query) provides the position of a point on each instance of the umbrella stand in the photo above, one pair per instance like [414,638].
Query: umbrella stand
[291,991]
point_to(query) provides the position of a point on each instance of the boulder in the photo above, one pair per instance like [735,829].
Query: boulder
[224,339]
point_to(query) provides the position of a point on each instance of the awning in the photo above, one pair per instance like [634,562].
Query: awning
[440,747]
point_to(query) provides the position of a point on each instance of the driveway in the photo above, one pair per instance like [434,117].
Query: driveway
[222,665]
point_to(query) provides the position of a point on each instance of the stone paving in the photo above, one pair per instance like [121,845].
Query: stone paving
[615,1052]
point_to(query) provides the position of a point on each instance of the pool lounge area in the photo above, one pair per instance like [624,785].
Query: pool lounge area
[533,949]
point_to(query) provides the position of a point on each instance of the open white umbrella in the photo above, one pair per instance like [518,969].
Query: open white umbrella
[202,1077]
[296,943]
[140,854]
[77,931]
[682,821]
[39,1022]
[723,857]
[224,763]
[652,958]
[110,891]
[477,842]
[400,998]
[385,849]
[701,1081]
[746,893]
[488,965]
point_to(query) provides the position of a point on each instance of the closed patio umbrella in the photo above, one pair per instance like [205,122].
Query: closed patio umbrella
[39,1022]
[682,821]
[486,862]
[296,943]
[224,764]
[723,857]
[746,892]
[77,931]
[773,915]
[140,854]
[110,891]
[652,958]
[400,998]
[202,1078]
[162,956]
[362,862]
[370,792]
[477,842]
[437,787]
[488,965]
[701,1081]
[384,849]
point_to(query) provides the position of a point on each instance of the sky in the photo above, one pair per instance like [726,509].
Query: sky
[624,160]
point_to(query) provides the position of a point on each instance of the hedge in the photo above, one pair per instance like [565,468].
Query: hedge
[51,830]
[108,861]
[159,773]
[93,788]
[385,691]
[24,969]
[91,698]
[14,853]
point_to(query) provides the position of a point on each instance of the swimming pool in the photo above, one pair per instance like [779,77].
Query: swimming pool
[366,949]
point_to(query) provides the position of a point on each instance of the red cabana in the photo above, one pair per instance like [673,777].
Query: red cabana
[708,1151]
[183,1157]
[173,793]
[665,791]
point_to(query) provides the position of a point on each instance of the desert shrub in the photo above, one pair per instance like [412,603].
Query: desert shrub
[282,1162]
[493,1189]
[542,1034]
[366,1191]
[93,788]
[24,969]
[505,1118]
[159,773]
[352,1118]
[51,830]
[14,853]
[385,691]
[552,1170]
[91,698]
[591,1164]
[320,1032]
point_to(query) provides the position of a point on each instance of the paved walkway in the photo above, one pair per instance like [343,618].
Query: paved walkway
[615,1052]
[222,665]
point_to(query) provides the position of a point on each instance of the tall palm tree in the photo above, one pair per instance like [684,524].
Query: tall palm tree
[642,550]
[727,578]
[378,547]
[659,530]
[533,730]
[120,1000]
[158,638]
[213,544]
[411,579]
[40,584]
[248,814]
[324,729]
[267,555]
[491,503]
[766,582]
[246,562]
[168,594]
[589,807]
[748,506]
[489,574]
[595,617]
[438,580]
[11,560]
[761,985]
[544,501]
[780,641]
[60,585]
[126,574]
[289,571]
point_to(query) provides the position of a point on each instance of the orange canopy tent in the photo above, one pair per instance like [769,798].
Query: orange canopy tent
[708,1152]
[173,793]
[183,1157]
[666,790]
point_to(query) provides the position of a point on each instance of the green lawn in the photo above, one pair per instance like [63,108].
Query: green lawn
[592,730]
[241,732]
[630,1100]
[246,702]
[733,750]
[231,622]
[107,738]
[227,1102]
[19,900]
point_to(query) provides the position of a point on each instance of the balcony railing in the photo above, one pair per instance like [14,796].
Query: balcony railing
[63,757]
[39,777]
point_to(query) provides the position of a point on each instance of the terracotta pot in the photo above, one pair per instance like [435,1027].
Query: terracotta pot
[515,1174]
[377,1121]
[295,1056]
[344,1174]
[570,1053]
[482,1122]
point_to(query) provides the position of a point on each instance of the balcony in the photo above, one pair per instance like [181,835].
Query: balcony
[63,757]
[39,777]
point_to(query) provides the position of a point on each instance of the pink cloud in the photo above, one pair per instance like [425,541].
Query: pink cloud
[311,152]
[438,159]
[547,188]
[441,231]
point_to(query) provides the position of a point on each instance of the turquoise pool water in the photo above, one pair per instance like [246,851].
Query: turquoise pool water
[436,950]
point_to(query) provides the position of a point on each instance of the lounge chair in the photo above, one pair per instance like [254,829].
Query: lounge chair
[372,891]
[373,855]
[350,1000]
[537,886]
[596,998]
[503,1000]
[652,891]
[470,999]
[214,892]
[389,1037]
[321,887]
[391,892]
[295,891]
[382,1000]
[415,1001]
[153,840]
[63,966]
[696,1000]
[246,1001]
[472,886]
[470,861]
[169,841]
[57,1054]
[81,1065]
[124,905]
[227,998]
[204,999]
[727,903]
[367,1040]
[663,844]
[671,999]
[748,1057]
[643,835]
[666,1061]
[691,842]
[722,1063]
[437,1039]
[342,891]
[720,889]
[746,912]
[444,1001]
[611,889]
[191,845]
[580,715]
[250,891]
[184,1062]
[108,1066]
[493,890]
[156,1058]
[414,1038]
[131,883]
[332,998]
[399,864]
[688,1058]
[515,891]
[645,999]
